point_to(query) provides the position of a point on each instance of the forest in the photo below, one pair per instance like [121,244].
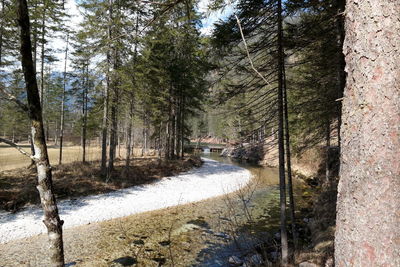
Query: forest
[199,133]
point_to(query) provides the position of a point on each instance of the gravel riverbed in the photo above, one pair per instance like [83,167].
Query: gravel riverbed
[211,179]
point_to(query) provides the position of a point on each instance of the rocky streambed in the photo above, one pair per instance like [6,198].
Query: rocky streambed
[232,230]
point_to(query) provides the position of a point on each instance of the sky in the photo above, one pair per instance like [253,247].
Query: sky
[211,18]
[207,26]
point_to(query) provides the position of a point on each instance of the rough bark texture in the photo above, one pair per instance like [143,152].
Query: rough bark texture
[45,186]
[368,211]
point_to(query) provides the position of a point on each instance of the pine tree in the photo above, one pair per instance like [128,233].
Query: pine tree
[367,232]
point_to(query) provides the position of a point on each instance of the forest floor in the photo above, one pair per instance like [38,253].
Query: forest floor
[18,186]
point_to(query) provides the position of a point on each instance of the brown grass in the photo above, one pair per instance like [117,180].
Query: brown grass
[18,187]
[11,159]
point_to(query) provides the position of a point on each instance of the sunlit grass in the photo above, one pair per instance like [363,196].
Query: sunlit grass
[10,158]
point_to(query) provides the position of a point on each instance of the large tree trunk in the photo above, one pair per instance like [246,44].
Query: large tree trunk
[45,185]
[282,183]
[368,218]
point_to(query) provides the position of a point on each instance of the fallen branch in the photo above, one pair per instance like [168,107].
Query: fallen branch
[23,152]
[14,99]
[248,53]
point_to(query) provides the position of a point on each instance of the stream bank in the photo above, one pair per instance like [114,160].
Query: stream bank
[311,168]
[205,233]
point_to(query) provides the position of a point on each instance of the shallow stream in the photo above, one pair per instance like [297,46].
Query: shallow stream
[205,233]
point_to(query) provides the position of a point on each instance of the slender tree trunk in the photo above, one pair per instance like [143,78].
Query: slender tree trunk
[34,37]
[144,134]
[328,145]
[172,135]
[183,128]
[1,33]
[129,135]
[289,165]
[56,134]
[368,218]
[111,60]
[42,57]
[177,130]
[104,126]
[282,182]
[341,74]
[167,140]
[113,133]
[84,111]
[45,184]
[62,113]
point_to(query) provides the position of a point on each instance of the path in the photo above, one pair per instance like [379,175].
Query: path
[211,179]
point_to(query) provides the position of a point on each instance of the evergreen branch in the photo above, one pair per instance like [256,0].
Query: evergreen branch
[23,152]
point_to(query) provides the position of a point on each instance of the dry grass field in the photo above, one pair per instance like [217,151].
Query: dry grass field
[18,186]
[10,158]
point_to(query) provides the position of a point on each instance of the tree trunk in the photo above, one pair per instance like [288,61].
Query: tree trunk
[63,103]
[104,126]
[128,142]
[56,134]
[341,74]
[114,99]
[289,165]
[42,57]
[183,128]
[45,184]
[145,137]
[328,145]
[282,183]
[84,111]
[368,218]
[1,32]
[167,138]
[113,135]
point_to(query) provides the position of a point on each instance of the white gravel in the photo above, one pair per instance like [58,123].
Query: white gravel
[211,179]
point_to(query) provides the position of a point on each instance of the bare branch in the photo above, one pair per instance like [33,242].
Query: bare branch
[248,53]
[14,99]
[23,152]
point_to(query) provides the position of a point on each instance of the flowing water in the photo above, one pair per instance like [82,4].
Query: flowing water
[205,233]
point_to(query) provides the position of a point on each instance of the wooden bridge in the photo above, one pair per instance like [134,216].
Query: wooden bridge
[193,147]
